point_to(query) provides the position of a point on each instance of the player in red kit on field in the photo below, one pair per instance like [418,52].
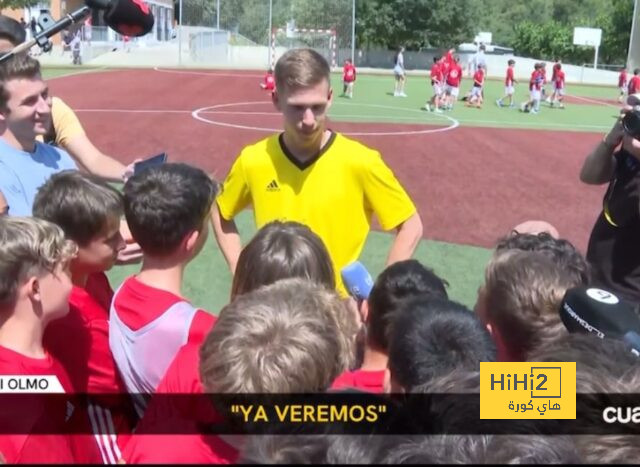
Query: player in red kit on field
[509,81]
[622,84]
[348,78]
[634,82]
[437,83]
[558,86]
[269,82]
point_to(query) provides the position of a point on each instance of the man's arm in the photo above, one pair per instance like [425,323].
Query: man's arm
[598,167]
[93,160]
[227,237]
[408,235]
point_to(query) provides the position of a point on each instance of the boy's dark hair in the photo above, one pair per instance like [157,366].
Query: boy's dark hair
[436,59]
[12,30]
[432,337]
[163,204]
[18,66]
[401,280]
[511,62]
[82,204]
[636,71]
[561,251]
[484,449]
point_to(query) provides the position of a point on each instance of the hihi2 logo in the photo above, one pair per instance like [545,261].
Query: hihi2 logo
[527,390]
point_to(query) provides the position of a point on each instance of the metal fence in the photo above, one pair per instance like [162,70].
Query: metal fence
[243,28]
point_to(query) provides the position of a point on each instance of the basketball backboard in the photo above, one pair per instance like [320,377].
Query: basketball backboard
[587,36]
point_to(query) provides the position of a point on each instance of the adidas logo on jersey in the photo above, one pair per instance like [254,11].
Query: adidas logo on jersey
[273,186]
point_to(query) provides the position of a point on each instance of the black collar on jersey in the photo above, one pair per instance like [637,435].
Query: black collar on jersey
[303,165]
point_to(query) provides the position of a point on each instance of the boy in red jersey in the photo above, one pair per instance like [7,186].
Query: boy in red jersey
[437,83]
[348,78]
[293,329]
[89,211]
[475,97]
[166,208]
[399,282]
[269,82]
[634,83]
[509,82]
[34,291]
[453,79]
[622,84]
[558,86]
[535,86]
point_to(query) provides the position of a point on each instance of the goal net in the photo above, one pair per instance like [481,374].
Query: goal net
[323,41]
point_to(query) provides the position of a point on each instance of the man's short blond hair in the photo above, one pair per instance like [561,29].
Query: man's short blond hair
[281,338]
[523,292]
[300,69]
[29,247]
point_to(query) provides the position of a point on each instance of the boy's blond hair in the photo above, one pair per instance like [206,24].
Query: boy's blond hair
[29,247]
[523,292]
[281,338]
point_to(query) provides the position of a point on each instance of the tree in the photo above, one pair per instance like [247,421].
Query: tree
[15,4]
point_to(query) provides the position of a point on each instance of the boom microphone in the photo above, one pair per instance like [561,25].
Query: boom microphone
[599,312]
[126,17]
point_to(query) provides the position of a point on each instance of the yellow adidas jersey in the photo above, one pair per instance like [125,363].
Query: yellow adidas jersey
[334,194]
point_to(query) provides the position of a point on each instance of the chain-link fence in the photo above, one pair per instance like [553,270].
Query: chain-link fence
[241,33]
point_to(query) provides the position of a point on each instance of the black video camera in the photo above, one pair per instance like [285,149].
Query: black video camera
[631,122]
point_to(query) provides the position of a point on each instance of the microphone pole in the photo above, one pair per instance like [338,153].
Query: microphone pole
[42,37]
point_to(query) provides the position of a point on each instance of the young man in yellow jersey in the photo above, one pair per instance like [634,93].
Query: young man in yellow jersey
[314,176]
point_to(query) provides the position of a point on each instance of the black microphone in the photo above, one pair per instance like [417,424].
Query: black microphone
[126,17]
[599,312]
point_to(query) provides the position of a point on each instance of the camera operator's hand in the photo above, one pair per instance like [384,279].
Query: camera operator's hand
[616,134]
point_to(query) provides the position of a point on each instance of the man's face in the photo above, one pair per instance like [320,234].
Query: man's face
[102,251]
[28,111]
[305,110]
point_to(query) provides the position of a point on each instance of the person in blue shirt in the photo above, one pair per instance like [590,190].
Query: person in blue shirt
[25,113]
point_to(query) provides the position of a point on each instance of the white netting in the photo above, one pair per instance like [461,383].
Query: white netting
[324,41]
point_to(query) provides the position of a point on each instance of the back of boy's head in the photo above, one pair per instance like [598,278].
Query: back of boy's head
[484,449]
[280,250]
[164,204]
[603,366]
[398,282]
[522,294]
[28,247]
[636,71]
[82,204]
[281,338]
[561,251]
[511,62]
[432,337]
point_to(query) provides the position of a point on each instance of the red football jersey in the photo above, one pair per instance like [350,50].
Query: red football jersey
[622,79]
[634,84]
[436,72]
[349,73]
[182,377]
[478,78]
[370,381]
[559,81]
[455,75]
[139,304]
[269,82]
[508,81]
[50,448]
[89,363]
